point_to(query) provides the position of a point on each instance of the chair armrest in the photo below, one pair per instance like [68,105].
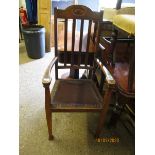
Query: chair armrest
[109,79]
[46,80]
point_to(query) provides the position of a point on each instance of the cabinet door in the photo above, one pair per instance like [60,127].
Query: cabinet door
[44,18]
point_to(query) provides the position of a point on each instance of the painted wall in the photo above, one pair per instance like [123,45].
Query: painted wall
[128,1]
[92,4]
[22,3]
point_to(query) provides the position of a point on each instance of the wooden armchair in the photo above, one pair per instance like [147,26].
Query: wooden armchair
[76,95]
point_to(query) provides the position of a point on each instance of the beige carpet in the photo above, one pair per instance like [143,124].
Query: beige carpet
[72,131]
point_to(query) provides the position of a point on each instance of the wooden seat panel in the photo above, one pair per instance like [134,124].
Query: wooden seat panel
[76,94]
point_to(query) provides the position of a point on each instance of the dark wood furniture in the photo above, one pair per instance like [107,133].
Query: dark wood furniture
[122,71]
[105,28]
[76,95]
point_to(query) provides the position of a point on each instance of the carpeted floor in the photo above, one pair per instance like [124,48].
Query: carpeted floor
[72,131]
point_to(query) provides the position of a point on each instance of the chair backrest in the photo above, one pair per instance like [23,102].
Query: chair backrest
[76,57]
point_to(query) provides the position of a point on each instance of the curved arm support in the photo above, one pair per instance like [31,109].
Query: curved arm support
[109,79]
[46,80]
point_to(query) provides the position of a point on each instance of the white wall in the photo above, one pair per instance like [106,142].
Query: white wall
[22,3]
[107,3]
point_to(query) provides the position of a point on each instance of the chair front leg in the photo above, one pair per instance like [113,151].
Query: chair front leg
[48,111]
[107,99]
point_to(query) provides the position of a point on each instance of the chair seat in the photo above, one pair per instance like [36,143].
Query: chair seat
[75,94]
[121,74]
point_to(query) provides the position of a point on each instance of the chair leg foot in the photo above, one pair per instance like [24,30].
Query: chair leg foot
[98,131]
[96,136]
[51,137]
[100,124]
[49,124]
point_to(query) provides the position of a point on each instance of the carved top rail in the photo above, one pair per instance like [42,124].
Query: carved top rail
[78,12]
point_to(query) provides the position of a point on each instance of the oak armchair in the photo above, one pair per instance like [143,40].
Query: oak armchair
[76,95]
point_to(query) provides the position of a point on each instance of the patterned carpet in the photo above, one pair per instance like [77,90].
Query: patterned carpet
[72,131]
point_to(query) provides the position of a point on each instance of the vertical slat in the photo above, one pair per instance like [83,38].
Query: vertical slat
[73,40]
[65,42]
[88,41]
[80,43]
[55,33]
[113,45]
[96,39]
[55,42]
[97,36]
[131,75]
[95,31]
[90,74]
